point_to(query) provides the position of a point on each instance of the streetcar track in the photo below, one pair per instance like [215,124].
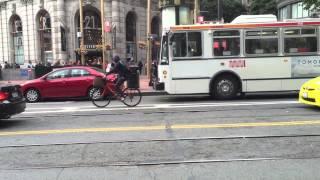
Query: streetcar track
[159,163]
[164,140]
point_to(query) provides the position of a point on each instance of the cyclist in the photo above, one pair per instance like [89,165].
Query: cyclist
[122,71]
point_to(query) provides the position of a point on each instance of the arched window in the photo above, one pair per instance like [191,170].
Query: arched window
[91,27]
[91,33]
[17,39]
[155,26]
[155,30]
[131,32]
[45,37]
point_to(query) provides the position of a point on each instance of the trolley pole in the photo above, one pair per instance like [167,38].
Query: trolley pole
[103,35]
[82,47]
[149,41]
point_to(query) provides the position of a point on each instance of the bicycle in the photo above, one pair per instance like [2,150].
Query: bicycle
[103,93]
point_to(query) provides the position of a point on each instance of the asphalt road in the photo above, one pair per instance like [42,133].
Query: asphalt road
[165,137]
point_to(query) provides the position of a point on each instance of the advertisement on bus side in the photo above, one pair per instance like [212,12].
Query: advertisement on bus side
[305,66]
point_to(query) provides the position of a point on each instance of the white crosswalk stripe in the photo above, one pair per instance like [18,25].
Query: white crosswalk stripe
[86,108]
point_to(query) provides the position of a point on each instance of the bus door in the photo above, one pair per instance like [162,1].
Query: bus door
[163,67]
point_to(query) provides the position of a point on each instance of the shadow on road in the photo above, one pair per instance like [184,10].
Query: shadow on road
[8,123]
[248,96]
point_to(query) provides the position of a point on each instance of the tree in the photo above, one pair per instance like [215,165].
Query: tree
[231,9]
[263,7]
[312,4]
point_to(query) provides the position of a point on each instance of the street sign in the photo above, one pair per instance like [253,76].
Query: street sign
[107,26]
[79,34]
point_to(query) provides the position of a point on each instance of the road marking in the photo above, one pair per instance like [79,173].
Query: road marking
[148,107]
[161,127]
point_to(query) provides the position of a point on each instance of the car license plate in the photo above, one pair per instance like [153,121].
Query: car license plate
[15,94]
[305,95]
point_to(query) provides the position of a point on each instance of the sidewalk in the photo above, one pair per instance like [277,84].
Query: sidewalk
[144,86]
[146,89]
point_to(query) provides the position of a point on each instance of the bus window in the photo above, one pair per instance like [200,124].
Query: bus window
[186,44]
[262,42]
[226,43]
[164,51]
[300,41]
[194,44]
[179,45]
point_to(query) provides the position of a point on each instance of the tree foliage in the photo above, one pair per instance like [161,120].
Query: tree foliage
[231,9]
[263,7]
[312,4]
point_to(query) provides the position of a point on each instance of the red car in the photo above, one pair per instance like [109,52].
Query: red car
[69,82]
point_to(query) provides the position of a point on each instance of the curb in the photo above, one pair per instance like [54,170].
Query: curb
[153,93]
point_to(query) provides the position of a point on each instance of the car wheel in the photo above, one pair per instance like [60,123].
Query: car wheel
[32,95]
[90,92]
[225,87]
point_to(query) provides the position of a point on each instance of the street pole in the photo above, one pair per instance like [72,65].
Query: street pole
[82,48]
[149,41]
[103,36]
[220,10]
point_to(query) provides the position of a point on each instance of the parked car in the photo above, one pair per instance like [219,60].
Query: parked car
[310,92]
[68,82]
[11,101]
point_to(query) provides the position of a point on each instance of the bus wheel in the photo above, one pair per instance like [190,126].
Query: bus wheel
[225,87]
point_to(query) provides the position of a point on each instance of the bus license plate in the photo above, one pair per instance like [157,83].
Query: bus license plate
[305,95]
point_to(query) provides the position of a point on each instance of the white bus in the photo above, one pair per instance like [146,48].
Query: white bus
[225,60]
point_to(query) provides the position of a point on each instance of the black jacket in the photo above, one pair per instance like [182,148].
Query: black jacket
[120,69]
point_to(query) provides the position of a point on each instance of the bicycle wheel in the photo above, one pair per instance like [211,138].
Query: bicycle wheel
[132,97]
[98,99]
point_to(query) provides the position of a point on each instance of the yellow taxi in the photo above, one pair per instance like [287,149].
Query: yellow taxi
[310,92]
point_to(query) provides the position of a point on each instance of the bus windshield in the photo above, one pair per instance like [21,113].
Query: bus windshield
[164,51]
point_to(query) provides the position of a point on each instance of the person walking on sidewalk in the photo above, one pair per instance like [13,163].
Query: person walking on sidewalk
[122,71]
[140,66]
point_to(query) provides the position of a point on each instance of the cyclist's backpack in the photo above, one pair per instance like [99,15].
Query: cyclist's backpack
[124,69]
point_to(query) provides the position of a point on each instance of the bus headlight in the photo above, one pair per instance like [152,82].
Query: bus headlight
[164,74]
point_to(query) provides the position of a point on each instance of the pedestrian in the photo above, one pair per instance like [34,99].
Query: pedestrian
[140,66]
[6,65]
[57,63]
[29,64]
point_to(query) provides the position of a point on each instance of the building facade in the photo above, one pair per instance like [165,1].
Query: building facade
[293,9]
[48,30]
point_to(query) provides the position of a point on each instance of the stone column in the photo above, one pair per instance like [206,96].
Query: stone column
[61,23]
[116,21]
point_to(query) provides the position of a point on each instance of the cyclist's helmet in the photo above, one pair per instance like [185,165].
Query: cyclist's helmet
[116,59]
